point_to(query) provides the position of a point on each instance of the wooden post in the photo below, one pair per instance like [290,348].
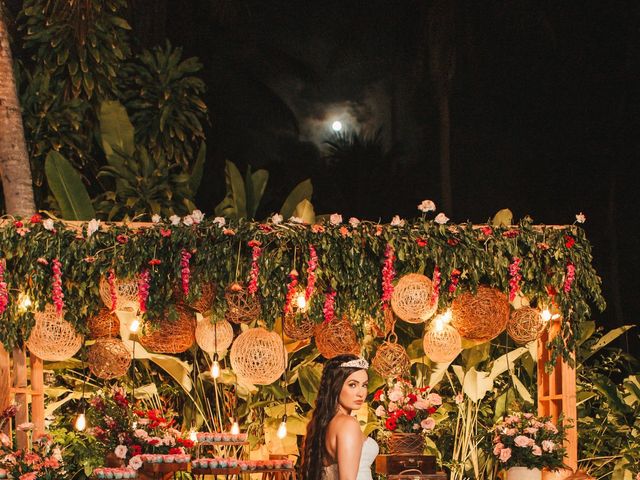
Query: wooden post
[20,390]
[557,393]
[5,384]
[37,394]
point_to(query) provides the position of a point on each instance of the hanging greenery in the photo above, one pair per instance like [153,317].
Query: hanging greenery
[350,260]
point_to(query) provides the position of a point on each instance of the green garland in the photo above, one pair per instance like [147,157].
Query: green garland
[350,259]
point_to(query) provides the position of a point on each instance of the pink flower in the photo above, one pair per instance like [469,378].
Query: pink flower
[531,430]
[4,439]
[120,451]
[497,449]
[135,462]
[354,222]
[380,411]
[459,399]
[427,206]
[536,450]
[396,221]
[638,476]
[505,454]
[434,399]
[510,431]
[392,407]
[523,441]
[428,423]
[421,404]
[549,426]
[441,219]
[23,427]
[395,395]
[548,445]
[335,219]
[29,476]
[51,462]
[581,218]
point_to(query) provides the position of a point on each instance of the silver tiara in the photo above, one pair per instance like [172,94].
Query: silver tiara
[357,363]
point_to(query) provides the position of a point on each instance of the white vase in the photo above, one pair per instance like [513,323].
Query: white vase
[523,473]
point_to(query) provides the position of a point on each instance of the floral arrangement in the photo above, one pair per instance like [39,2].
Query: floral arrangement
[155,432]
[111,418]
[403,408]
[524,440]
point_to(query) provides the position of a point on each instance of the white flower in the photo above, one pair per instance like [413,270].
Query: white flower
[296,220]
[548,445]
[24,427]
[335,219]
[427,206]
[428,423]
[396,221]
[57,454]
[140,433]
[354,222]
[135,462]
[174,219]
[395,395]
[48,224]
[434,399]
[416,426]
[380,411]
[441,218]
[197,216]
[155,218]
[92,227]
[277,219]
[220,221]
[120,451]
[581,217]
[188,220]
[459,399]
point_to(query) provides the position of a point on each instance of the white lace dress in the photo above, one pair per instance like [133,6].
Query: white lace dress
[368,455]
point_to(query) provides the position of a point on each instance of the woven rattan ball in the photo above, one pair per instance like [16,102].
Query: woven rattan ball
[242,307]
[258,356]
[170,336]
[482,316]
[525,325]
[336,337]
[53,338]
[214,338]
[126,294]
[391,360]
[411,298]
[389,320]
[443,344]
[104,325]
[204,302]
[108,358]
[298,326]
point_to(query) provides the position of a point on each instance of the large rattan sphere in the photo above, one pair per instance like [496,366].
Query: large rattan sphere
[336,337]
[258,356]
[391,360]
[204,302]
[482,316]
[104,325]
[168,336]
[298,326]
[214,337]
[442,343]
[242,307]
[126,294]
[108,358]
[411,298]
[525,325]
[53,338]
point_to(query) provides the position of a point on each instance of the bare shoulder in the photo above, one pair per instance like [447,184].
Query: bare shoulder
[345,426]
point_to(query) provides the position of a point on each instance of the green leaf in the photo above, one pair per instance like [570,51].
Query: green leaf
[302,191]
[476,354]
[116,131]
[66,185]
[198,168]
[309,380]
[234,205]
[304,210]
[606,340]
[503,218]
[256,185]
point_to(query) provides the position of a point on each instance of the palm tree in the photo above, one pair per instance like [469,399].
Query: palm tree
[15,170]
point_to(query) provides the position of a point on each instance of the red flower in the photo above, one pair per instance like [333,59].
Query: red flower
[165,233]
[422,242]
[153,441]
[18,224]
[254,243]
[174,451]
[413,398]
[391,424]
[185,442]
[377,395]
[135,450]
[122,239]
[569,241]
[486,230]
[453,241]
[410,414]
[431,410]
[154,261]
[265,228]
[36,218]
[510,233]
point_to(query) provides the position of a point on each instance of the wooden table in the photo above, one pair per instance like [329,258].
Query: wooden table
[162,471]
[409,467]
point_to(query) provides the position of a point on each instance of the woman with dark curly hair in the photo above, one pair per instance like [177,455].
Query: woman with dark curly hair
[334,447]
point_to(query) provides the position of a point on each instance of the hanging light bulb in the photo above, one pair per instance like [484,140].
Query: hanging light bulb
[446,316]
[81,423]
[235,428]
[439,325]
[215,366]
[301,301]
[24,302]
[134,424]
[193,436]
[546,315]
[282,429]
[135,325]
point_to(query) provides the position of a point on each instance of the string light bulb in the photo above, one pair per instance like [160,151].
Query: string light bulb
[547,315]
[446,316]
[135,325]
[235,428]
[81,423]
[193,436]
[215,366]
[301,301]
[282,428]
[24,302]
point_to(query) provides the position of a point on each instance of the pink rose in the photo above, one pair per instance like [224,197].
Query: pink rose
[510,431]
[392,407]
[536,450]
[522,441]
[459,399]
[428,423]
[395,395]
[505,454]
[421,404]
[528,415]
[550,427]
[434,399]
[23,427]
[531,430]
[548,445]
[638,476]
[335,219]
[497,449]
[28,476]
[120,451]
[380,411]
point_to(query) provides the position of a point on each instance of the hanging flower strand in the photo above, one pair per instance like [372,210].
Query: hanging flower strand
[58,296]
[514,278]
[329,306]
[312,264]
[185,272]
[4,292]
[256,251]
[143,290]
[291,290]
[569,278]
[435,285]
[388,274]
[111,278]
[455,278]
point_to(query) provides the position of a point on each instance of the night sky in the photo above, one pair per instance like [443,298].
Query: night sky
[544,109]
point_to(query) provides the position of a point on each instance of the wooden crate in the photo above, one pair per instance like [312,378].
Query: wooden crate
[397,464]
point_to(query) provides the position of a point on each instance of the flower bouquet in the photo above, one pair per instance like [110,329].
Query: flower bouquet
[406,412]
[43,461]
[525,442]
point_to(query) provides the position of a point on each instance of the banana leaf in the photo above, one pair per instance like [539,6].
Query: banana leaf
[116,132]
[302,191]
[66,184]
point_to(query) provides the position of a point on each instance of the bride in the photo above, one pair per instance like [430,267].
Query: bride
[334,447]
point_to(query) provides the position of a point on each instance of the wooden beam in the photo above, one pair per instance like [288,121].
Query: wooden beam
[37,393]
[5,385]
[20,381]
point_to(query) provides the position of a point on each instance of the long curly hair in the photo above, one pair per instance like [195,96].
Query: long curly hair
[314,448]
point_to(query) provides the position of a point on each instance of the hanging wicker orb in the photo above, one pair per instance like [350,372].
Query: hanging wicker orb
[336,337]
[168,336]
[104,325]
[442,343]
[242,307]
[108,358]
[126,294]
[53,338]
[482,316]
[258,356]
[203,303]
[298,326]
[389,320]
[525,325]
[214,338]
[391,360]
[411,298]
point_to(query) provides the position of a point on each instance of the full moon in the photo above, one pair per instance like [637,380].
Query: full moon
[336,126]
